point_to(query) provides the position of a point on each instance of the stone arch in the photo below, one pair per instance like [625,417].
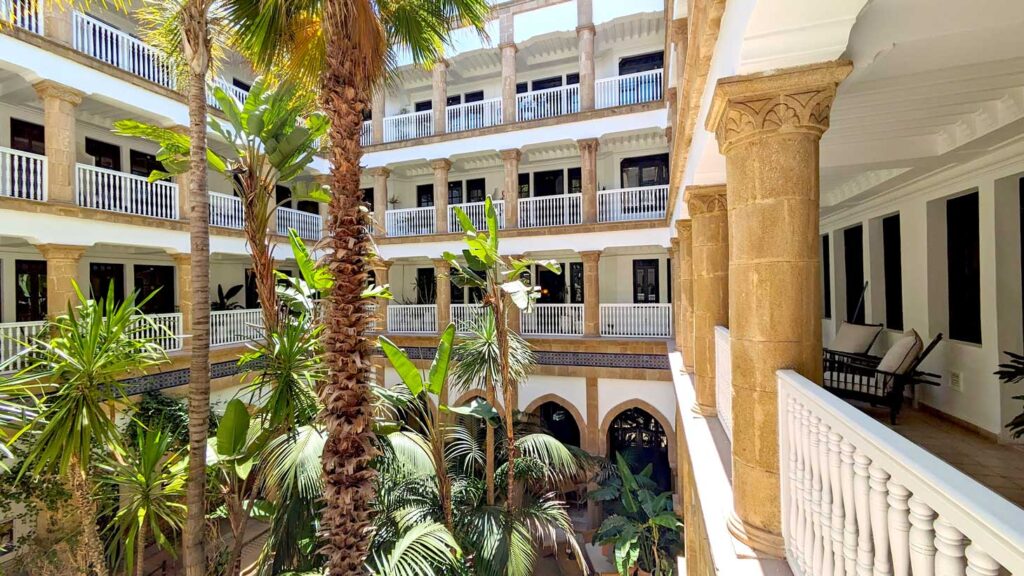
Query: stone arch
[581,424]
[670,437]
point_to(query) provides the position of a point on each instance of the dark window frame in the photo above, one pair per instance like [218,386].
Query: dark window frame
[892,265]
[853,262]
[644,265]
[963,267]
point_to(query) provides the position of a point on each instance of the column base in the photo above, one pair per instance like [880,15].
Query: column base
[705,411]
[760,540]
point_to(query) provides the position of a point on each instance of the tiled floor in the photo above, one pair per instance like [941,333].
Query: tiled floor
[998,466]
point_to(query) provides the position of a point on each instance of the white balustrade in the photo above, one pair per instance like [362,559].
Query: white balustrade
[26,14]
[164,329]
[723,378]
[560,210]
[14,338]
[226,211]
[373,311]
[235,326]
[628,204]
[117,48]
[636,320]
[308,226]
[22,175]
[115,191]
[408,126]
[466,316]
[420,318]
[473,115]
[548,103]
[238,94]
[858,498]
[410,221]
[477,215]
[366,133]
[553,320]
[629,89]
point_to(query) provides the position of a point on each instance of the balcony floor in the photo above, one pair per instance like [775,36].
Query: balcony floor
[1000,467]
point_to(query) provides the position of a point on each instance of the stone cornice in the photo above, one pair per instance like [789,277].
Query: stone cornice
[511,154]
[705,199]
[50,89]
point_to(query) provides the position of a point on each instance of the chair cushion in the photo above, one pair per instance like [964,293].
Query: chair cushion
[903,353]
[854,338]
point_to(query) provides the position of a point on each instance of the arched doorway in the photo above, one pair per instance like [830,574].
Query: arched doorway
[641,439]
[560,422]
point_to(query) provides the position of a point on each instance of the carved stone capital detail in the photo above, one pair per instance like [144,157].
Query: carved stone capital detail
[511,154]
[50,89]
[684,229]
[706,199]
[587,145]
[442,164]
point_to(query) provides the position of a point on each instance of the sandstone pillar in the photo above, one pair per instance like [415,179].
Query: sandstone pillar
[61,271]
[684,305]
[377,110]
[443,293]
[183,286]
[588,170]
[441,167]
[510,159]
[57,23]
[768,127]
[439,98]
[380,199]
[585,36]
[59,105]
[710,233]
[591,293]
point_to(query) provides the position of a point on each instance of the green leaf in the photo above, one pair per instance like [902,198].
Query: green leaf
[438,373]
[626,554]
[233,429]
[318,278]
[407,371]
[492,224]
[478,408]
[464,220]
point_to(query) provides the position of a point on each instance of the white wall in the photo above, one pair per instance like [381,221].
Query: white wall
[660,395]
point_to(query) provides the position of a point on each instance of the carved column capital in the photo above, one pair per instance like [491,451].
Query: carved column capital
[684,229]
[588,145]
[590,256]
[61,251]
[706,199]
[511,154]
[50,89]
[379,172]
[441,164]
[586,29]
[799,99]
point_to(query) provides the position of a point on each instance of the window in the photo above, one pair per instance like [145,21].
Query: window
[105,155]
[368,197]
[571,79]
[549,183]
[239,84]
[963,268]
[522,87]
[28,137]
[102,277]
[458,293]
[826,276]
[545,83]
[476,190]
[552,286]
[477,96]
[453,100]
[645,281]
[455,192]
[423,105]
[853,259]
[30,290]
[644,171]
[524,185]
[426,286]
[143,164]
[642,63]
[283,196]
[575,180]
[576,288]
[893,269]
[308,206]
[158,279]
[424,195]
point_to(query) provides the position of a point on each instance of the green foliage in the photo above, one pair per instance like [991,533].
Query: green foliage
[1012,372]
[223,301]
[478,356]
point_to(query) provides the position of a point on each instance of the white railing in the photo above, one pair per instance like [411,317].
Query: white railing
[560,210]
[309,226]
[373,311]
[22,175]
[548,103]
[226,211]
[166,330]
[410,221]
[27,14]
[412,318]
[115,191]
[628,89]
[408,126]
[723,378]
[626,204]
[12,337]
[366,133]
[466,316]
[473,115]
[553,320]
[235,326]
[636,320]
[117,48]
[238,94]
[859,498]
[477,215]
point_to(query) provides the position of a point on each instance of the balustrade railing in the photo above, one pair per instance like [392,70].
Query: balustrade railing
[238,94]
[115,191]
[723,378]
[366,133]
[309,226]
[14,336]
[412,318]
[408,126]
[473,115]
[553,320]
[477,215]
[22,175]
[636,320]
[548,103]
[560,210]
[165,330]
[235,326]
[466,316]
[226,211]
[410,221]
[26,14]
[629,89]
[858,498]
[117,48]
[627,204]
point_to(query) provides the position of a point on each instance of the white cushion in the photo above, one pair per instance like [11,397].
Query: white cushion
[903,353]
[854,338]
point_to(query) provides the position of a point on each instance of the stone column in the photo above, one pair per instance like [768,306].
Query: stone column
[441,167]
[585,36]
[588,170]
[443,293]
[377,110]
[57,23]
[382,271]
[710,285]
[592,444]
[684,306]
[768,127]
[59,105]
[61,270]
[439,99]
[380,199]
[183,286]
[591,293]
[510,158]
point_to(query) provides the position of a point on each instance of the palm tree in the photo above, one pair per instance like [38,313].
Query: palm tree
[347,46]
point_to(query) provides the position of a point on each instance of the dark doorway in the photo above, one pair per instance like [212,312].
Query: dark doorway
[252,298]
[26,178]
[645,281]
[548,183]
[156,280]
[641,440]
[102,276]
[105,155]
[853,259]
[426,286]
[893,266]
[242,85]
[545,83]
[826,276]
[644,171]
[455,192]
[576,288]
[524,185]
[642,63]
[575,180]
[552,286]
[476,190]
[368,197]
[560,423]
[423,105]
[30,290]
[28,137]
[963,266]
[143,164]
[424,195]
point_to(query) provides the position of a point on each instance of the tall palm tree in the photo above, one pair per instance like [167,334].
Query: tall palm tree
[348,46]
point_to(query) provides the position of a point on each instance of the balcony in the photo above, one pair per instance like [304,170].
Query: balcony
[632,204]
[636,320]
[12,335]
[477,215]
[542,211]
[117,48]
[410,221]
[473,116]
[26,14]
[235,326]
[553,320]
[366,133]
[412,318]
[629,89]
[409,126]
[226,211]
[465,316]
[114,191]
[548,103]
[308,226]
[22,175]
[166,331]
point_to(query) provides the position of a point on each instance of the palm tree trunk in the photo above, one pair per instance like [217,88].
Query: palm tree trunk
[509,389]
[140,550]
[349,489]
[197,52]
[489,441]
